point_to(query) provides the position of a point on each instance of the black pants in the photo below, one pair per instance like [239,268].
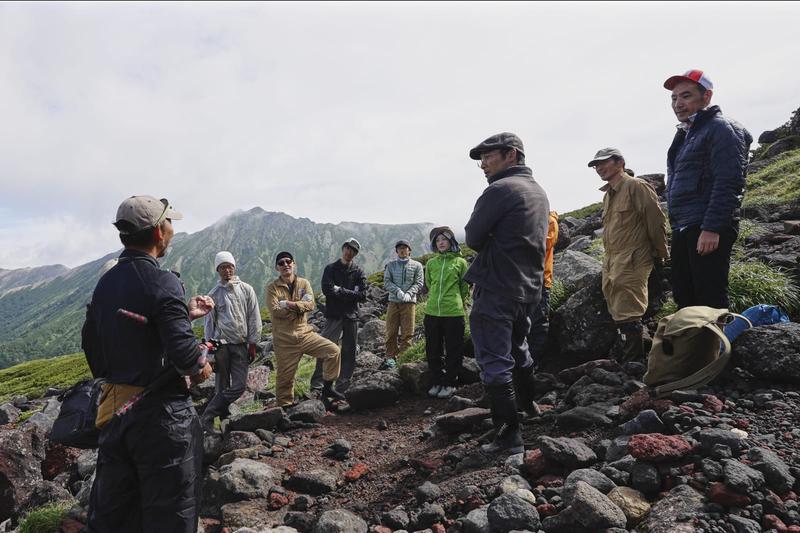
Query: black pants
[444,334]
[347,330]
[149,469]
[540,328]
[701,279]
[230,374]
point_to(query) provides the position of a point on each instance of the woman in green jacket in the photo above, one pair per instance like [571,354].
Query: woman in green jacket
[444,313]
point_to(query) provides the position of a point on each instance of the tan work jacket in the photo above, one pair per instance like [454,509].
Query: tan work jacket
[290,325]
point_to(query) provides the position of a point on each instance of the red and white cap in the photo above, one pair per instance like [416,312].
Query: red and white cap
[697,76]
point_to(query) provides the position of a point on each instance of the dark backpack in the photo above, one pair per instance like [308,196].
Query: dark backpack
[75,425]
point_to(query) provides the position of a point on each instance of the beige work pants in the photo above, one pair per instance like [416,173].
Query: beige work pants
[625,283]
[287,357]
[399,316]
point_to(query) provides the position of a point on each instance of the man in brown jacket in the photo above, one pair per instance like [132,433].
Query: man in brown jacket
[634,236]
[290,299]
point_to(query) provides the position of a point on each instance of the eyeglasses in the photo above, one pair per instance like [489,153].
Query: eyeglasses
[485,157]
[284,262]
[163,213]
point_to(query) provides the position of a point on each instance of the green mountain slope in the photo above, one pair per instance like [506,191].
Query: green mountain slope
[44,320]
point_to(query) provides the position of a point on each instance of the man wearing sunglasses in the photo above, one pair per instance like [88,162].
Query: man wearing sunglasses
[290,299]
[508,229]
[138,336]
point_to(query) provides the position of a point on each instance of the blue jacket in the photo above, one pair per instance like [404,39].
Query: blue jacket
[706,170]
[125,351]
[407,276]
[508,228]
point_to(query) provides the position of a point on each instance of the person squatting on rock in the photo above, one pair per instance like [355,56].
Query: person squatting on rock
[508,229]
[444,313]
[149,462]
[403,278]
[344,286]
[634,237]
[290,299]
[706,171]
[540,319]
[236,323]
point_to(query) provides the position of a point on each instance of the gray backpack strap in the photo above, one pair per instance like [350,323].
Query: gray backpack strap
[708,372]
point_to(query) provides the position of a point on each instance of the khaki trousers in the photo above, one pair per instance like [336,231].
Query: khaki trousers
[288,357]
[625,283]
[399,316]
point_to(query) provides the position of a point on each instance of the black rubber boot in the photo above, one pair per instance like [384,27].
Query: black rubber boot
[525,389]
[508,438]
[631,336]
[330,393]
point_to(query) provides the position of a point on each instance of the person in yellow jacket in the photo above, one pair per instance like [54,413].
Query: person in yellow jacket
[634,237]
[540,319]
[290,299]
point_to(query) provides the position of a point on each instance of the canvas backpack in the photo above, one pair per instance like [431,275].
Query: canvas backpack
[689,349]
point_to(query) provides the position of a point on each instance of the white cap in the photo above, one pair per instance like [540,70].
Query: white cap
[223,257]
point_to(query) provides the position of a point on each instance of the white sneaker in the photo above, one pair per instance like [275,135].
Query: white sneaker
[433,392]
[446,392]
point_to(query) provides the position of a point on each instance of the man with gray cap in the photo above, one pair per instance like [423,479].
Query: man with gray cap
[344,286]
[236,323]
[706,171]
[138,336]
[403,278]
[508,229]
[634,237]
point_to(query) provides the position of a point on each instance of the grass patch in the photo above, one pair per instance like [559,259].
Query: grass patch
[754,282]
[45,519]
[776,183]
[559,293]
[414,354]
[33,378]
[596,249]
[583,212]
[669,307]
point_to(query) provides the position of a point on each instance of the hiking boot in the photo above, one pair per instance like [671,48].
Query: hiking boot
[631,336]
[388,364]
[433,392]
[507,440]
[328,392]
[446,391]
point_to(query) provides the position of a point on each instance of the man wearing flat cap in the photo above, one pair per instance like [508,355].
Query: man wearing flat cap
[290,299]
[508,229]
[344,286]
[138,336]
[634,236]
[706,171]
[403,278]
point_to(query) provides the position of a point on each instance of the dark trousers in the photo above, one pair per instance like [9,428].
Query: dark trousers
[149,469]
[230,374]
[499,327]
[444,334]
[347,329]
[540,328]
[701,279]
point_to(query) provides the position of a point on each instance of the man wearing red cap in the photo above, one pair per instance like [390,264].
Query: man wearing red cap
[706,170]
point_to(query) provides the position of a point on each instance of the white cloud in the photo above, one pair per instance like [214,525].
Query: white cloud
[347,111]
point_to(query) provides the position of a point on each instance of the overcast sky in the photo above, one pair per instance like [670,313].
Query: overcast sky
[356,111]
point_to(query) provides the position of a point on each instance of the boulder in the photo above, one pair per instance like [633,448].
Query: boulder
[308,411]
[9,414]
[257,380]
[770,352]
[476,521]
[776,472]
[509,512]
[243,479]
[584,417]
[569,453]
[462,421]
[587,475]
[372,336]
[315,482]
[379,389]
[237,440]
[656,181]
[675,512]
[45,418]
[576,270]
[340,521]
[740,477]
[415,376]
[21,455]
[632,502]
[582,324]
[266,419]
[656,447]
[590,510]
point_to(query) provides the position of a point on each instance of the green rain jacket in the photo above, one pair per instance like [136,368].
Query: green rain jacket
[447,290]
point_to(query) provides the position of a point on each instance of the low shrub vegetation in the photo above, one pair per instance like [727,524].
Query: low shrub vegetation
[754,282]
[45,519]
[33,378]
[583,212]
[776,183]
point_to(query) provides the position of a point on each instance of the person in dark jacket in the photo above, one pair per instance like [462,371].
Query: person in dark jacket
[508,229]
[344,286]
[706,171]
[149,463]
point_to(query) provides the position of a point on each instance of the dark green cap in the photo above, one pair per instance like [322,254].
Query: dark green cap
[501,140]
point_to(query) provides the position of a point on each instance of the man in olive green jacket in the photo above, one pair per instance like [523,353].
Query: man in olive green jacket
[634,236]
[444,312]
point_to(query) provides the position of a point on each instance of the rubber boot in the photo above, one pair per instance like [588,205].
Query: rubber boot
[508,438]
[330,393]
[525,389]
[631,336]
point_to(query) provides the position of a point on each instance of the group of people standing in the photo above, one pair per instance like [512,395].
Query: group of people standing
[150,459]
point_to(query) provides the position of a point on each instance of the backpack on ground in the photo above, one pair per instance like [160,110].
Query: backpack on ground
[689,349]
[75,425]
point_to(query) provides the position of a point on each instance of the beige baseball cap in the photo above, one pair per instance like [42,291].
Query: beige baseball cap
[604,154]
[139,213]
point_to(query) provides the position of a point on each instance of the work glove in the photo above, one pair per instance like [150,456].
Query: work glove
[401,295]
[407,297]
[283,304]
[336,289]
[251,351]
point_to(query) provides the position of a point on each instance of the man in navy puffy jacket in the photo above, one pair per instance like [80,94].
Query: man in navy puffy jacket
[706,170]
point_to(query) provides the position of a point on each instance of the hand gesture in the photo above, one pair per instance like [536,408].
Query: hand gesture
[200,306]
